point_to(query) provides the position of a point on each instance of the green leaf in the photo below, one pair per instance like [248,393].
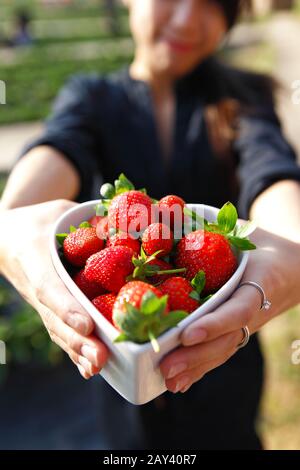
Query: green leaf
[60,237]
[142,190]
[72,228]
[122,184]
[242,243]
[194,295]
[85,225]
[227,217]
[246,230]
[151,304]
[205,299]
[143,254]
[198,283]
[154,201]
[172,319]
[122,337]
[107,191]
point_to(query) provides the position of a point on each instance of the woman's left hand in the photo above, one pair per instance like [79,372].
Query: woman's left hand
[213,339]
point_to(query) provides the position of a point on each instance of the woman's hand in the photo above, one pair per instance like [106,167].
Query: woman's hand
[214,338]
[26,262]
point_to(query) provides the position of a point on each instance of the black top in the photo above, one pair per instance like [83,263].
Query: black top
[105,126]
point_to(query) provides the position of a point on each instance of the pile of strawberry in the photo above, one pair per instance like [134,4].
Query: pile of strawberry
[147,264]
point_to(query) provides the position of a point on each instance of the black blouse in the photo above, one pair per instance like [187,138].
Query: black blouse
[105,126]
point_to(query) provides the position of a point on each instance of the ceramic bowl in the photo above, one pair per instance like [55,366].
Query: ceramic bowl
[132,369]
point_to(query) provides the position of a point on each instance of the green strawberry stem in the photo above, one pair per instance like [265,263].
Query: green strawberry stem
[154,342]
[170,271]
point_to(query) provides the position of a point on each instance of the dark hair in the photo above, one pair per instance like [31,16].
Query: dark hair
[232,9]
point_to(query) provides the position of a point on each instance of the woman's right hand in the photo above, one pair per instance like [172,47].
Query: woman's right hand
[26,262]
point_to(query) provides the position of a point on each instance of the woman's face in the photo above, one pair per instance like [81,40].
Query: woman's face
[173,36]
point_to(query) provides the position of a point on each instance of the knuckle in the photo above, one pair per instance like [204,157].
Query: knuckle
[73,341]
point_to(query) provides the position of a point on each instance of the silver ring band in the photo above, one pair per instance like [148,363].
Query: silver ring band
[245,339]
[265,303]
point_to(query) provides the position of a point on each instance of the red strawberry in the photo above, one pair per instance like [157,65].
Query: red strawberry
[171,209]
[163,266]
[133,293]
[130,211]
[90,288]
[80,244]
[104,303]
[141,313]
[179,289]
[210,252]
[110,267]
[95,220]
[157,237]
[124,239]
[103,228]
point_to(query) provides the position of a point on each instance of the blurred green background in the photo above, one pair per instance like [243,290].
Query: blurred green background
[79,36]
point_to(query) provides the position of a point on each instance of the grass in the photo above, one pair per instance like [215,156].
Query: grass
[280,415]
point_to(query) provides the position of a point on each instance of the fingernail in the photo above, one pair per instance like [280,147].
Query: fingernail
[79,322]
[185,389]
[86,365]
[195,336]
[175,370]
[82,371]
[183,382]
[90,354]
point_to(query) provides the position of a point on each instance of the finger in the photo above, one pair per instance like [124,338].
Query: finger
[89,347]
[184,381]
[52,293]
[185,359]
[85,370]
[233,315]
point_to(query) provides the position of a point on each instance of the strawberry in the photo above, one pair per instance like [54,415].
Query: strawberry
[141,313]
[171,211]
[104,303]
[152,268]
[80,244]
[124,239]
[184,294]
[210,247]
[161,265]
[130,211]
[90,288]
[94,220]
[157,237]
[103,228]
[210,252]
[110,267]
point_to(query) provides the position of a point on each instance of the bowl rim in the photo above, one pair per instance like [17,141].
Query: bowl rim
[136,348]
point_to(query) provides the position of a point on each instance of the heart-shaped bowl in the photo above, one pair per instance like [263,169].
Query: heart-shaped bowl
[133,369]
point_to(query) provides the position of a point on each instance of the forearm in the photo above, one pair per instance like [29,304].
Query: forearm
[277,210]
[44,174]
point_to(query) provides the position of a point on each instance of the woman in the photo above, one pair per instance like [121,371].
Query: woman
[177,121]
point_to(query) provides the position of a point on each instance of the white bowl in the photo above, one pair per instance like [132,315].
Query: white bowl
[132,369]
